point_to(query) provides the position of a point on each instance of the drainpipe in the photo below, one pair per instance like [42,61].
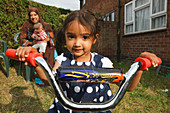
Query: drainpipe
[81,4]
[118,34]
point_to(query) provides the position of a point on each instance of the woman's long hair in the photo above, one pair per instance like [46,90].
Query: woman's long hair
[33,9]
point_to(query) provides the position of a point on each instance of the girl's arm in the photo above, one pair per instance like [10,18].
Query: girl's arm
[138,75]
[56,65]
[135,80]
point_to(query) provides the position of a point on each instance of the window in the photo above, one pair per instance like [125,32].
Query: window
[109,16]
[84,2]
[145,15]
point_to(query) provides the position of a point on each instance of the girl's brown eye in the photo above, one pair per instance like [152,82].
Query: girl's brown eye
[70,37]
[85,37]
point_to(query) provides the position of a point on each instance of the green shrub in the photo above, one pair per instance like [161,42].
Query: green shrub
[13,13]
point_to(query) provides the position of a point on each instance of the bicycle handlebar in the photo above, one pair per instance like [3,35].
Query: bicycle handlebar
[140,63]
[146,62]
[11,53]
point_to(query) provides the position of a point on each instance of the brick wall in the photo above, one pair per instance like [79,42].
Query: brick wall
[154,41]
[101,6]
[108,29]
[131,45]
[108,46]
[157,42]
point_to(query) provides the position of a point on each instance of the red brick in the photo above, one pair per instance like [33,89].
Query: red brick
[131,45]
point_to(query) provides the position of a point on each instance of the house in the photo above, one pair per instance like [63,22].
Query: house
[133,26]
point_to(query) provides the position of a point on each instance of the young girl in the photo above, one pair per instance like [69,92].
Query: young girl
[80,31]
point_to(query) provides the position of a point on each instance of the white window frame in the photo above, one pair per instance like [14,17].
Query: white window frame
[134,9]
[109,16]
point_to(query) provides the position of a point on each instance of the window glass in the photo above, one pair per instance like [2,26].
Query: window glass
[84,2]
[107,18]
[140,2]
[104,19]
[158,6]
[159,22]
[128,12]
[145,15]
[129,28]
[113,16]
[142,19]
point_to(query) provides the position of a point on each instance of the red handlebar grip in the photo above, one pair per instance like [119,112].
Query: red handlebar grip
[11,53]
[159,61]
[146,62]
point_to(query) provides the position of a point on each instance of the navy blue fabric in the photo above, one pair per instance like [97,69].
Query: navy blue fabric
[82,92]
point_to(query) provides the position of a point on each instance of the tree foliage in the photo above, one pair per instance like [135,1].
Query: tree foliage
[13,13]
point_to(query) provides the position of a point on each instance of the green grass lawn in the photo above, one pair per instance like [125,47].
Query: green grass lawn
[19,96]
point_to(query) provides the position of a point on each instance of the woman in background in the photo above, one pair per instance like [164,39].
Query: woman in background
[27,30]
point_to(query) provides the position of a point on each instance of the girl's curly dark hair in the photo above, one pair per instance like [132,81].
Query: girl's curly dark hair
[85,17]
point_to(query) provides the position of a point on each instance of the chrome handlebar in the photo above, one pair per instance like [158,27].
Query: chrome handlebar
[87,107]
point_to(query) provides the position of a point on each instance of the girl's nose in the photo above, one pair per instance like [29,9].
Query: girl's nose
[77,42]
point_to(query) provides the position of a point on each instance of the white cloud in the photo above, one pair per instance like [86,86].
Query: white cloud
[66,4]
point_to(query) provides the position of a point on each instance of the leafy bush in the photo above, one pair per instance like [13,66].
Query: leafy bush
[13,13]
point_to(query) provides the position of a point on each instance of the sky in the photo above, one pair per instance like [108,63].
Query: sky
[65,4]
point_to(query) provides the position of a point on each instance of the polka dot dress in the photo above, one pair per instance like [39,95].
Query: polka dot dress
[83,92]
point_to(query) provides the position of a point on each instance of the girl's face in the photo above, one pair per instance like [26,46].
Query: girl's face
[79,41]
[34,17]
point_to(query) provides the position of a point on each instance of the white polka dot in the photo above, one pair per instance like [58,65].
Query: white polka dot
[56,100]
[73,62]
[87,63]
[71,99]
[95,100]
[65,93]
[68,86]
[106,62]
[64,58]
[89,89]
[79,63]
[96,53]
[97,88]
[101,99]
[58,111]
[93,63]
[109,93]
[101,86]
[77,89]
[52,106]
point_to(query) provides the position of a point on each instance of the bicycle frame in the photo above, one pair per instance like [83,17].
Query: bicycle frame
[53,79]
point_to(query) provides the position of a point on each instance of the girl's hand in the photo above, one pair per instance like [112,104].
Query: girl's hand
[150,56]
[23,52]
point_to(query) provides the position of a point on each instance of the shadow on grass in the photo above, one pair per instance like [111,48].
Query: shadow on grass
[15,65]
[22,103]
[149,78]
[2,67]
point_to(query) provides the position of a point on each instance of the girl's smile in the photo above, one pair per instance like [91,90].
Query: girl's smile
[77,50]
